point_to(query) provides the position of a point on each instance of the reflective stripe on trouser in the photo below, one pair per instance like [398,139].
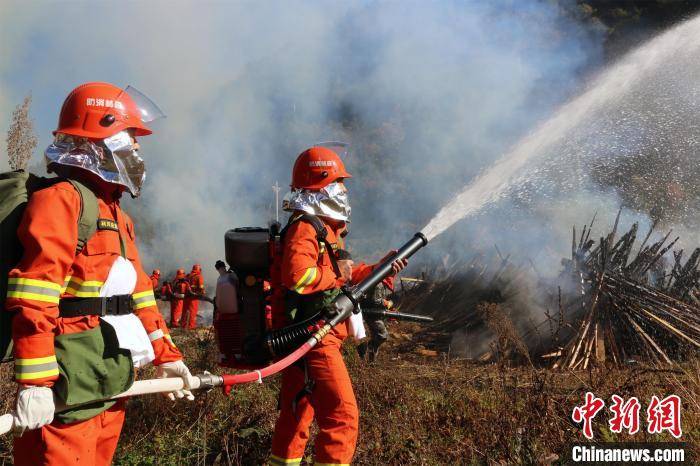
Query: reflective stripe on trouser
[29,369]
[332,402]
[277,461]
[83,443]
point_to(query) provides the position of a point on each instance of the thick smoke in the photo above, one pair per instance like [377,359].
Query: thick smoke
[427,93]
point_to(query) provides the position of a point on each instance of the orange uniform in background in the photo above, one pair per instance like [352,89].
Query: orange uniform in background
[51,270]
[306,270]
[155,279]
[179,290]
[191,302]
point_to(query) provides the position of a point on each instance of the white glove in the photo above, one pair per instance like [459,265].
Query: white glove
[35,408]
[177,369]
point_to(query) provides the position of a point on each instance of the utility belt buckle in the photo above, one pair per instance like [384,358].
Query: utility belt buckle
[116,305]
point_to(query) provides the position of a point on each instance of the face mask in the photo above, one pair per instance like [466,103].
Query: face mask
[113,159]
[331,201]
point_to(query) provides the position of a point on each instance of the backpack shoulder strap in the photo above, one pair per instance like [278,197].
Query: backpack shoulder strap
[89,213]
[321,235]
[319,226]
[317,223]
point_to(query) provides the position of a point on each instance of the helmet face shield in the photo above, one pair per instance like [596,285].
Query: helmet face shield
[148,110]
[340,148]
[114,159]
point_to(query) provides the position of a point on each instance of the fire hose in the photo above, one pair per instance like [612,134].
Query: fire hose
[339,310]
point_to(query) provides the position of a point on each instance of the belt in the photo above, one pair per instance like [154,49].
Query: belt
[111,306]
[179,295]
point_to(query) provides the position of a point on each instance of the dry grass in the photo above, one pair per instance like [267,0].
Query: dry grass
[507,339]
[21,140]
[415,410]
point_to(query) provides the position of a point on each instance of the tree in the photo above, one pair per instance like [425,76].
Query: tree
[21,139]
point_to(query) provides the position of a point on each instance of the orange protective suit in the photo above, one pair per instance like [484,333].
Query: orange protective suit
[192,303]
[155,279]
[50,270]
[180,289]
[307,269]
[87,443]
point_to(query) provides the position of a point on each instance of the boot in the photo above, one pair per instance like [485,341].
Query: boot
[362,349]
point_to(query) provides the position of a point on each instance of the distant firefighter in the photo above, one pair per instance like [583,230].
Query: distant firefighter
[378,298]
[226,300]
[155,279]
[191,299]
[177,290]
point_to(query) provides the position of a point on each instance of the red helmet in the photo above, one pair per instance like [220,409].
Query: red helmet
[100,110]
[316,168]
[156,272]
[197,268]
[180,273]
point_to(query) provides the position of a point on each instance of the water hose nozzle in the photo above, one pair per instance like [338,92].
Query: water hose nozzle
[346,302]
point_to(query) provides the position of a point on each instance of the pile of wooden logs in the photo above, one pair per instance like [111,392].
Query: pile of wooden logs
[623,298]
[626,303]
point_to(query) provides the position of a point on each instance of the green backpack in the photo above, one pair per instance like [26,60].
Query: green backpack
[16,188]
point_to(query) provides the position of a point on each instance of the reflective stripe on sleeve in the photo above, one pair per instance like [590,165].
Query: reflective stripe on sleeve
[156,335]
[308,278]
[143,299]
[32,289]
[36,368]
[169,339]
[83,288]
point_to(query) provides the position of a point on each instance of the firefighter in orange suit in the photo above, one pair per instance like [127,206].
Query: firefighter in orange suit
[155,278]
[311,276]
[179,289]
[191,302]
[73,306]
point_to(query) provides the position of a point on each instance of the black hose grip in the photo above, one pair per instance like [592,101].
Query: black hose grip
[355,303]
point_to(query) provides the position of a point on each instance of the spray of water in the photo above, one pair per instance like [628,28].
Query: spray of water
[608,88]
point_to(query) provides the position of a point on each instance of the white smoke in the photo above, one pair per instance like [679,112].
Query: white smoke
[428,93]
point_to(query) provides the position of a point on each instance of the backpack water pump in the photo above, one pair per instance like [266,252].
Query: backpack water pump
[246,339]
[250,253]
